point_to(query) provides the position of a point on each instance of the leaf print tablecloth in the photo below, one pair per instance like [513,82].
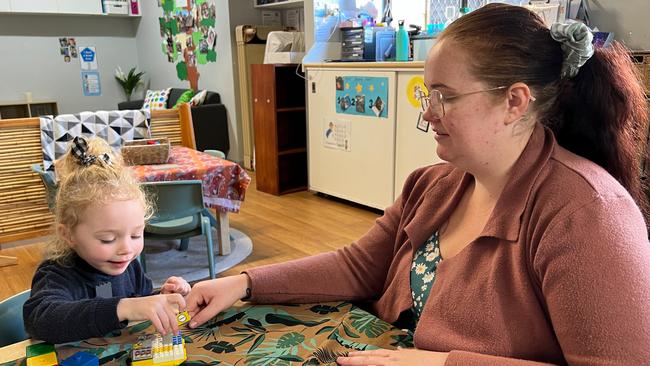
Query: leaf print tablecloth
[224,182]
[261,335]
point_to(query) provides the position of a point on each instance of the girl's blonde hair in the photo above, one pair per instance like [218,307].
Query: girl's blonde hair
[80,186]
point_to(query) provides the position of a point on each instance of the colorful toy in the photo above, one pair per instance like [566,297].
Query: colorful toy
[81,359]
[158,350]
[42,354]
[182,318]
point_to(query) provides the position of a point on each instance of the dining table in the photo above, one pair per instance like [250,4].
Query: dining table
[224,184]
[251,334]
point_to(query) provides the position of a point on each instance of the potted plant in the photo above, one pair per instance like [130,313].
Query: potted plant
[128,81]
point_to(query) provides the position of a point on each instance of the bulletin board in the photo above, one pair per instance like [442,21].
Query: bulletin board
[187,28]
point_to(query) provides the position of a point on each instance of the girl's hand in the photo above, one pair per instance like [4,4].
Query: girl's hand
[400,356]
[175,285]
[160,309]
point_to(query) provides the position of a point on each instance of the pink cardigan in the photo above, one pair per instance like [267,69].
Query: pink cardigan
[559,275]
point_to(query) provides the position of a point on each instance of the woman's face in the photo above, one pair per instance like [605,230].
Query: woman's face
[472,128]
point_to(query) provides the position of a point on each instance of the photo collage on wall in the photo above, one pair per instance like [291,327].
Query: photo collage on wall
[68,48]
[187,28]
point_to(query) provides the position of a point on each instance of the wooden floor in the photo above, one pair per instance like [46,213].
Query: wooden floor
[281,228]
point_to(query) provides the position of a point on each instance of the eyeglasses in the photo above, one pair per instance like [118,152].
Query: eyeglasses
[436,101]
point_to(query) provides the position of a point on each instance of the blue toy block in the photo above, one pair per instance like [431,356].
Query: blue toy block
[81,359]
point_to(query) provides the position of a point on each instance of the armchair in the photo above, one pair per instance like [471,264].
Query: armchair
[210,120]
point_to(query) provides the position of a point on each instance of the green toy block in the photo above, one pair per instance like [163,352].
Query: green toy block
[34,350]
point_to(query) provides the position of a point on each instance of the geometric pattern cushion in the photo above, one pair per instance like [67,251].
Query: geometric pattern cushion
[113,126]
[156,99]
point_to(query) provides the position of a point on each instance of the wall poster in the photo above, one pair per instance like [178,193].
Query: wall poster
[336,134]
[90,84]
[362,95]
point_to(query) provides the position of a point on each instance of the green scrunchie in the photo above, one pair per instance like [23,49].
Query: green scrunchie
[576,46]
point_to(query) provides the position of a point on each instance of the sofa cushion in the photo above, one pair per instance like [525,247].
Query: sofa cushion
[199,98]
[184,98]
[156,99]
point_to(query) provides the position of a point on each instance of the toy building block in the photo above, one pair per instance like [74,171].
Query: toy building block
[81,359]
[42,354]
[155,349]
[182,318]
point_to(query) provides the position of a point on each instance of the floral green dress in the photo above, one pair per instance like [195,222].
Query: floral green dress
[423,273]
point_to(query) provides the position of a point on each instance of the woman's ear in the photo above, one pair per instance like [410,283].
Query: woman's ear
[519,98]
[65,233]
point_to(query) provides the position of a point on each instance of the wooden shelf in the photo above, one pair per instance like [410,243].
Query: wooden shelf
[293,151]
[280,126]
[27,109]
[291,109]
[287,4]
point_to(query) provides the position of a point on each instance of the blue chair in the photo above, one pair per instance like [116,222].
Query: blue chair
[12,329]
[50,185]
[180,214]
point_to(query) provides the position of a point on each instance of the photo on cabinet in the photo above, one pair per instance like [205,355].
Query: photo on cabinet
[422,125]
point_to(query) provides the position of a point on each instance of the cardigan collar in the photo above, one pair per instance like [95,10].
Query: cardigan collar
[505,221]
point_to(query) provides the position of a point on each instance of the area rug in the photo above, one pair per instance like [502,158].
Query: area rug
[164,259]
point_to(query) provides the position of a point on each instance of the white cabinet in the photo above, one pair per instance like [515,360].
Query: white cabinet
[365,173]
[80,6]
[35,6]
[413,148]
[383,151]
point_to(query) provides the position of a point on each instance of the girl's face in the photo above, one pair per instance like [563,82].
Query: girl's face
[472,129]
[109,236]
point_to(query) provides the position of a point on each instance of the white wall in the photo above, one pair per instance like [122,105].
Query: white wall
[628,20]
[215,76]
[30,58]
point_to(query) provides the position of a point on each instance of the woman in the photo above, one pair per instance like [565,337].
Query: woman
[528,246]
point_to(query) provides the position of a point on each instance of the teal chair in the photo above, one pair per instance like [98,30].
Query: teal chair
[180,214]
[12,329]
[50,185]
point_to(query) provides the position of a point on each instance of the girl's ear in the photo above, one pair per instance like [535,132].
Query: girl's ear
[519,97]
[65,233]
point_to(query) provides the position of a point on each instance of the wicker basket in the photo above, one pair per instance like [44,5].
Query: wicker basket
[642,62]
[146,152]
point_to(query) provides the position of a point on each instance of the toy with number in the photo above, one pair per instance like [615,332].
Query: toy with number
[42,354]
[158,350]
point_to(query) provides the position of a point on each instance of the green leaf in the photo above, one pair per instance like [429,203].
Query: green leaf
[257,343]
[168,5]
[353,345]
[211,56]
[368,324]
[290,339]
[323,309]
[231,319]
[349,333]
[254,322]
[291,321]
[403,340]
[248,338]
[291,358]
[188,339]
[201,363]
[207,22]
[325,329]
[140,327]
[220,347]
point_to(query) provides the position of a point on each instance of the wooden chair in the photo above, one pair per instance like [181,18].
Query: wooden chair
[23,203]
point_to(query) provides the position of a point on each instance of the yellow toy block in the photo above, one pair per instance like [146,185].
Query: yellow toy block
[158,350]
[48,359]
[183,317]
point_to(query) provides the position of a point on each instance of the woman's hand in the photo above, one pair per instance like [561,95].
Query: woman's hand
[400,356]
[209,298]
[160,309]
[175,285]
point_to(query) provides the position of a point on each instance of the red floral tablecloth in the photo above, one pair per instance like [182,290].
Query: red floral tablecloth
[224,182]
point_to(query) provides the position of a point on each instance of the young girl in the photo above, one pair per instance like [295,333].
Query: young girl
[90,283]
